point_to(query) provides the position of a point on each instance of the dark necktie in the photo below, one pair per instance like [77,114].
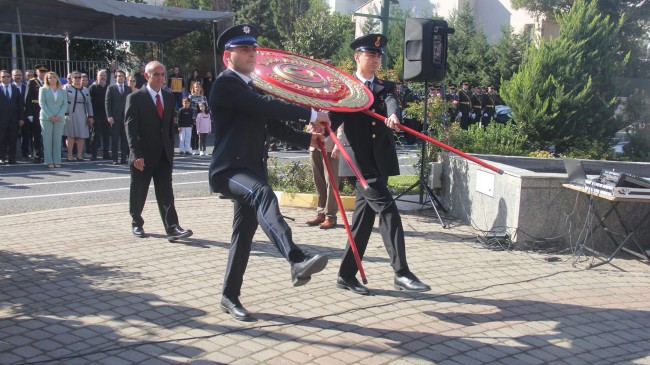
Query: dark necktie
[369,85]
[159,106]
[7,92]
[250,84]
[121,90]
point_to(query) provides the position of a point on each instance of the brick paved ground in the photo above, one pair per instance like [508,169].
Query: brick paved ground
[77,288]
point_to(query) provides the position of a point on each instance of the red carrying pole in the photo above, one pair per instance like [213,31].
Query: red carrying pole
[339,202]
[347,158]
[438,143]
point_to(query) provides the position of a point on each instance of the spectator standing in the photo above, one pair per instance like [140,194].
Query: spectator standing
[373,144]
[139,79]
[19,82]
[185,128]
[133,83]
[85,81]
[115,104]
[326,208]
[195,78]
[101,129]
[54,104]
[29,74]
[33,112]
[78,118]
[11,117]
[208,80]
[175,84]
[203,127]
[195,98]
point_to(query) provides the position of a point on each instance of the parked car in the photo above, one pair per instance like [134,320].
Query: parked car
[504,114]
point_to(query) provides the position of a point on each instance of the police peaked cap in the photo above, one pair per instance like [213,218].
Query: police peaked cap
[238,35]
[371,42]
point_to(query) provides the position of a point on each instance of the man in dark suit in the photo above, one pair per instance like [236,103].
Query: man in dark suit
[243,117]
[33,113]
[11,117]
[149,131]
[373,144]
[115,104]
[19,82]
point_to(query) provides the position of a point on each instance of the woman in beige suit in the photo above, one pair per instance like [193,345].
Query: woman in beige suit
[54,103]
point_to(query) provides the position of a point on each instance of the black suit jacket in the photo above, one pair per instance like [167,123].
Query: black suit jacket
[149,136]
[243,117]
[115,102]
[11,111]
[371,140]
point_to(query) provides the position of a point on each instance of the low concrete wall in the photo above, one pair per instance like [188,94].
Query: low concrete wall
[529,202]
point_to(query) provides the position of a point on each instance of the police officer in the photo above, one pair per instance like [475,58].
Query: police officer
[373,144]
[33,111]
[464,104]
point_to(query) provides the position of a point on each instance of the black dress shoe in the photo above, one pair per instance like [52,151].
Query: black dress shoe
[175,232]
[139,232]
[352,285]
[236,309]
[410,282]
[115,163]
[301,272]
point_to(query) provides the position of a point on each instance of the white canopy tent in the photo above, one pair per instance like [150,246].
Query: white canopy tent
[103,20]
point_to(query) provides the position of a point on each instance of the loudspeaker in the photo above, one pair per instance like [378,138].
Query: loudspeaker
[425,49]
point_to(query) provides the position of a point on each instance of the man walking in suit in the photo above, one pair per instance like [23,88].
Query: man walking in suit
[33,113]
[243,117]
[115,107]
[11,117]
[149,131]
[373,144]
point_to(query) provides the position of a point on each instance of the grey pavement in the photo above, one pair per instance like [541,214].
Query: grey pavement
[77,288]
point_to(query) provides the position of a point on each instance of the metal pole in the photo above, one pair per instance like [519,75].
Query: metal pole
[67,54]
[425,130]
[22,45]
[114,40]
[385,12]
[214,47]
[14,52]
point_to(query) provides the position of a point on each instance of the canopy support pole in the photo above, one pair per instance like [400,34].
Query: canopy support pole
[22,45]
[115,45]
[67,55]
[214,46]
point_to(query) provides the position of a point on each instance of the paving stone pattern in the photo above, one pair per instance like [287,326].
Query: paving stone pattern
[77,288]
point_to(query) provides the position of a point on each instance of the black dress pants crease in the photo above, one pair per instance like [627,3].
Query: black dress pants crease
[8,136]
[255,203]
[100,132]
[161,172]
[370,202]
[118,138]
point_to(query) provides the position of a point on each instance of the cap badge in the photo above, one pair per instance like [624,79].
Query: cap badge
[246,29]
[378,42]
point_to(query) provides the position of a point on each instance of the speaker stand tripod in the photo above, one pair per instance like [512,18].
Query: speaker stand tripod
[424,188]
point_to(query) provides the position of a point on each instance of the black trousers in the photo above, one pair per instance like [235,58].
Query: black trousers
[161,172]
[118,137]
[37,137]
[101,131]
[8,136]
[26,138]
[464,119]
[255,203]
[370,202]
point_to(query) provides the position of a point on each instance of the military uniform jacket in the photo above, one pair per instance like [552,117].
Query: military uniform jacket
[372,142]
[464,101]
[242,119]
[32,107]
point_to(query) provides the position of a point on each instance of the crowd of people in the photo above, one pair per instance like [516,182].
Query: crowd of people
[44,117]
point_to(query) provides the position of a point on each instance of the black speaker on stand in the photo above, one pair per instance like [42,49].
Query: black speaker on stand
[425,60]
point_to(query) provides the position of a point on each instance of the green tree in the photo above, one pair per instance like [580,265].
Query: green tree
[633,32]
[285,13]
[468,54]
[258,12]
[564,92]
[507,54]
[320,34]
